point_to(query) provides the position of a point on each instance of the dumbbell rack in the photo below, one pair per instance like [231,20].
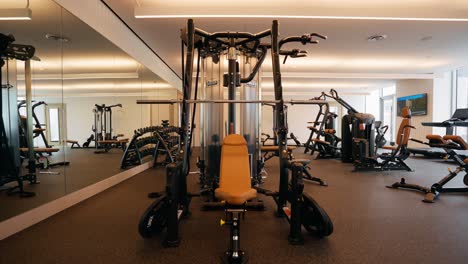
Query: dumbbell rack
[151,141]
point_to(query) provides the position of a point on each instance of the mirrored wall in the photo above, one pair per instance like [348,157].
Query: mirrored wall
[84,112]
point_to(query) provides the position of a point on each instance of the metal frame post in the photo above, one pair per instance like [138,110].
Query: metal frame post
[282,129]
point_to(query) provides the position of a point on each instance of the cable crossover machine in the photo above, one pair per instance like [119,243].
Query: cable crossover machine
[230,146]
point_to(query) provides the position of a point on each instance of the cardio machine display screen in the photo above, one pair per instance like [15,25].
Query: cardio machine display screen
[417,103]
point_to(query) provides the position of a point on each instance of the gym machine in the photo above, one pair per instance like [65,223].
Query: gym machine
[102,127]
[323,127]
[354,125]
[42,161]
[172,205]
[437,144]
[9,142]
[270,151]
[437,188]
[38,127]
[380,132]
[394,160]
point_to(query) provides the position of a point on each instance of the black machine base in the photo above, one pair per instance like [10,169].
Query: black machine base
[228,259]
[372,164]
[314,218]
[256,205]
[430,194]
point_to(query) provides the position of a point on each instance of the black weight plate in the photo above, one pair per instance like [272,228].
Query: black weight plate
[315,219]
[465,179]
[154,219]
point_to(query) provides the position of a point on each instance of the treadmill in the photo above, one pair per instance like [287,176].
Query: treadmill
[458,119]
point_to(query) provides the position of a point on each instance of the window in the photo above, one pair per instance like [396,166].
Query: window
[54,125]
[461,98]
[391,90]
[388,110]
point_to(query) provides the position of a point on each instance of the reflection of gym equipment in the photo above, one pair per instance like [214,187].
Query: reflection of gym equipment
[437,188]
[38,127]
[172,204]
[42,161]
[162,141]
[9,167]
[74,143]
[102,128]
[437,144]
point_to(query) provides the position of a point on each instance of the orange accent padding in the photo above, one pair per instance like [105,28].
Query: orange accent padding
[234,177]
[41,150]
[466,161]
[457,139]
[275,148]
[436,139]
[390,147]
[403,134]
[330,131]
[71,141]
[321,141]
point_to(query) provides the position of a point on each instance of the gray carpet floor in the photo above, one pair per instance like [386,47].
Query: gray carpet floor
[373,224]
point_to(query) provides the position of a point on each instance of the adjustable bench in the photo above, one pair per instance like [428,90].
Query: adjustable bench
[235,190]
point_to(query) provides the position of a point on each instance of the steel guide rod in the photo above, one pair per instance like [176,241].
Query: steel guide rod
[175,101]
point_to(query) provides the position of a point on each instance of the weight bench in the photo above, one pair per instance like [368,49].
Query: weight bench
[107,144]
[41,150]
[272,151]
[73,142]
[235,190]
[43,161]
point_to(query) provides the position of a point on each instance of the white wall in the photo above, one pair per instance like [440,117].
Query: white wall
[441,100]
[373,104]
[411,87]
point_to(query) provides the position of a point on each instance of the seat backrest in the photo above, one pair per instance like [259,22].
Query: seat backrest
[235,168]
[403,134]
[457,139]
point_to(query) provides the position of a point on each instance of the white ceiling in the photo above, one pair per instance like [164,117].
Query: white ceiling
[404,54]
[89,63]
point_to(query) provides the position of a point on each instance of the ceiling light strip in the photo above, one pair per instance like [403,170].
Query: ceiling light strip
[15,14]
[308,17]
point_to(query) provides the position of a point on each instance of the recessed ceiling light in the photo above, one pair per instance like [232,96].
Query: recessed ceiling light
[56,37]
[375,38]
[426,38]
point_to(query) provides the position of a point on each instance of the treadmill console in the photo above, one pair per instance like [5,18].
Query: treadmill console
[460,114]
